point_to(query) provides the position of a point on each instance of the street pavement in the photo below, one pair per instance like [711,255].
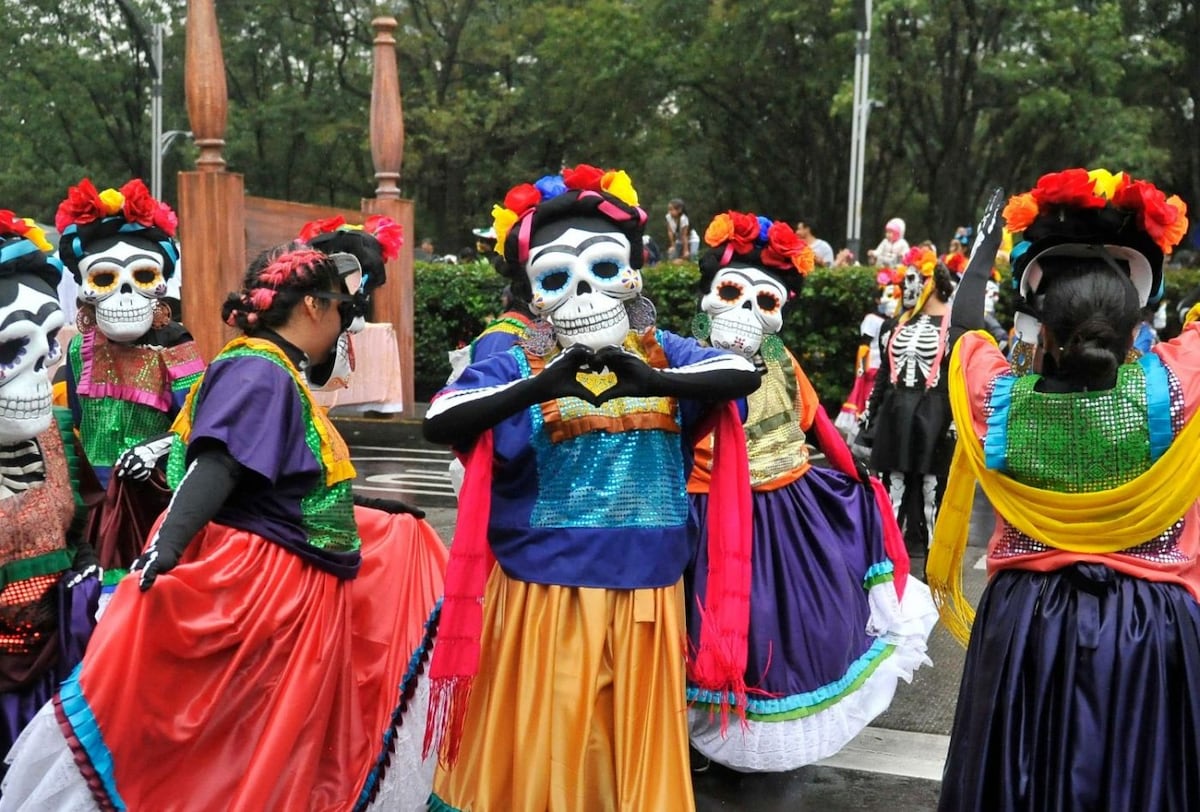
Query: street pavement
[894,765]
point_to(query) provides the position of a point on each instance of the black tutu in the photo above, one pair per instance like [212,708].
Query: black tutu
[1081,691]
[910,431]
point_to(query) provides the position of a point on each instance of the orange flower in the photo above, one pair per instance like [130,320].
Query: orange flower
[1020,212]
[719,230]
[1174,232]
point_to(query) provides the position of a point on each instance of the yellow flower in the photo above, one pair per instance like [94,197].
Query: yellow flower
[502,221]
[112,200]
[36,236]
[1106,183]
[618,184]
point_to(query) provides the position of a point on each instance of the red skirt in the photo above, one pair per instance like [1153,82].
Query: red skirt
[247,679]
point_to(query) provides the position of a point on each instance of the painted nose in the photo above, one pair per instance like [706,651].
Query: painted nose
[126,287]
[748,305]
[582,288]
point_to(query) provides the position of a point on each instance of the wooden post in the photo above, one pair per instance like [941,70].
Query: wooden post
[212,235]
[393,302]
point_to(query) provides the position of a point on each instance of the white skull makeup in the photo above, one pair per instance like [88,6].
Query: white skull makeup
[745,304]
[889,301]
[343,365]
[580,281]
[123,282]
[914,283]
[990,297]
[29,328]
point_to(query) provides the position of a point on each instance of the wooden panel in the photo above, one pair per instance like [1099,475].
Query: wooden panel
[272,222]
[213,252]
[394,302]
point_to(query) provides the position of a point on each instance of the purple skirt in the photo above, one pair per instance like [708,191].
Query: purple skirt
[1081,691]
[77,618]
[817,543]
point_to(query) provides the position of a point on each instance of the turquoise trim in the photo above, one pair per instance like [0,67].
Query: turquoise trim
[436,804]
[995,444]
[878,573]
[786,704]
[17,249]
[1158,404]
[87,731]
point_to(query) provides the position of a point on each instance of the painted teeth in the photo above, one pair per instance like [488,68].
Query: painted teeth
[587,324]
[24,408]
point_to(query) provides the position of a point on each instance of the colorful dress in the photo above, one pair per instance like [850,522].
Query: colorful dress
[125,394]
[579,698]
[1080,689]
[279,665]
[829,637]
[44,624]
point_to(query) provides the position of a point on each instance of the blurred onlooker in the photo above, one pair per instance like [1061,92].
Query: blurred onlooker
[822,251]
[425,251]
[845,259]
[683,240]
[892,247]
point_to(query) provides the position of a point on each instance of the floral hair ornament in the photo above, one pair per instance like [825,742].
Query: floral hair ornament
[374,243]
[523,200]
[87,215]
[25,249]
[756,240]
[922,258]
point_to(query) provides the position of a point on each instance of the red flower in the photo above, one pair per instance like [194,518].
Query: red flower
[785,249]
[1071,187]
[12,225]
[389,233]
[521,199]
[745,231]
[315,227]
[139,206]
[164,218]
[1156,215]
[583,177]
[83,205]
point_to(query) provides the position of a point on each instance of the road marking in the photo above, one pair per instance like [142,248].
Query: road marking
[981,564]
[894,752]
[436,452]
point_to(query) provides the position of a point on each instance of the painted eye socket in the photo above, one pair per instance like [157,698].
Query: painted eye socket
[54,349]
[606,269]
[729,291]
[102,279]
[554,280]
[11,351]
[767,302]
[145,276]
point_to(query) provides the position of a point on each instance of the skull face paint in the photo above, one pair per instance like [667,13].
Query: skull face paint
[581,280]
[29,325]
[990,297]
[914,283]
[745,304]
[124,282]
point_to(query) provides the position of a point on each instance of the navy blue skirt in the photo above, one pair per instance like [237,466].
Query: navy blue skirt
[1081,691]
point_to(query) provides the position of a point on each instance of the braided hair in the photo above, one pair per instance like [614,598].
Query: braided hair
[277,280]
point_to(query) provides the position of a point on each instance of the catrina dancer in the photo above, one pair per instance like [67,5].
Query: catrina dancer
[1080,684]
[907,419]
[272,636]
[836,621]
[558,682]
[49,584]
[869,358]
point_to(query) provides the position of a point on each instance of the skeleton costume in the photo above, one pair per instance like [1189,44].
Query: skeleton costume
[825,544]
[274,634]
[131,366]
[48,582]
[1080,688]
[558,682]
[908,415]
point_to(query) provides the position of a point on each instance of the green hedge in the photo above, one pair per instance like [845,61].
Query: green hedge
[454,302]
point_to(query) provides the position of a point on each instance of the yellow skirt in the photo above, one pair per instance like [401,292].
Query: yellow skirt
[579,704]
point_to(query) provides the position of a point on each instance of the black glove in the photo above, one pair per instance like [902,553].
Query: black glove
[457,416]
[209,480]
[86,565]
[720,377]
[388,505]
[139,461]
[967,313]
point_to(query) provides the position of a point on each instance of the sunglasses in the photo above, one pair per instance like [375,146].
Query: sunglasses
[353,303]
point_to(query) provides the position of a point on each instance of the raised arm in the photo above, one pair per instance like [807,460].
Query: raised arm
[967,313]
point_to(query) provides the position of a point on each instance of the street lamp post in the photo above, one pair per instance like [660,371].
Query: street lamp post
[152,44]
[860,111]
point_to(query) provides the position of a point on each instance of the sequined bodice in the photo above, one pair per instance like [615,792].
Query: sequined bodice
[1079,442]
[774,440]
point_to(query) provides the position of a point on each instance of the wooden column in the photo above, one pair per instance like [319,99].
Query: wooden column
[212,235]
[393,302]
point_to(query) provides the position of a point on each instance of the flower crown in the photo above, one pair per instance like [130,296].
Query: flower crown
[387,231]
[522,199]
[23,228]
[922,258]
[741,233]
[132,202]
[1163,219]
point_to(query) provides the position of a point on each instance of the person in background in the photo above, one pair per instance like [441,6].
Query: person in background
[425,251]
[893,246]
[683,241]
[822,250]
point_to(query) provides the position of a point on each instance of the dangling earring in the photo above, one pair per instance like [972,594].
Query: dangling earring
[701,326]
[772,348]
[1021,359]
[85,318]
[162,315]
[642,314]
[539,338]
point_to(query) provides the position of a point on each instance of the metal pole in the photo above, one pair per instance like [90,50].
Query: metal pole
[858,127]
[852,194]
[156,102]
